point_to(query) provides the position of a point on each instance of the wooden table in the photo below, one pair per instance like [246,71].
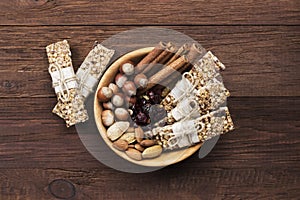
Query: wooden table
[258,41]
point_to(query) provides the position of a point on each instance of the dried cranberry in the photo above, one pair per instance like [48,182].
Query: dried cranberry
[142,108]
[150,93]
[141,118]
[155,99]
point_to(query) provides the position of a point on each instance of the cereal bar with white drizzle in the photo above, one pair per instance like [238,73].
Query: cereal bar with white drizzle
[70,105]
[93,68]
[186,133]
[199,87]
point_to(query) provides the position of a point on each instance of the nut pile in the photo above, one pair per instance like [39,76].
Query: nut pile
[125,113]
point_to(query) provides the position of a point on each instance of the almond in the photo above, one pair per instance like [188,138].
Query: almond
[139,134]
[117,129]
[148,143]
[134,154]
[129,137]
[130,129]
[131,146]
[152,152]
[121,145]
[139,147]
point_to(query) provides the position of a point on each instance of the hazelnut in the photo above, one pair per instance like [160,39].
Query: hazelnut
[127,68]
[104,94]
[114,88]
[141,80]
[118,100]
[108,105]
[120,80]
[129,88]
[107,117]
[121,114]
[130,100]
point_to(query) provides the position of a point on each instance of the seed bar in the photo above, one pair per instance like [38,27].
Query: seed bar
[189,132]
[92,68]
[70,105]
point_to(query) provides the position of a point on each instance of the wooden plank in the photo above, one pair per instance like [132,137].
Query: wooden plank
[168,183]
[164,12]
[260,60]
[266,132]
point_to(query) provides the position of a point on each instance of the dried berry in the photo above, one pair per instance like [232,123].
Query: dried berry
[141,118]
[142,108]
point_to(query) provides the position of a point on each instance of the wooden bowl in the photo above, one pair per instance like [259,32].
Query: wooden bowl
[166,158]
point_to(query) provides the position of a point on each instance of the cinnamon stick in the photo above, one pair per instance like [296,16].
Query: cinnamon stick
[161,59]
[180,52]
[150,57]
[196,51]
[172,48]
[173,78]
[165,72]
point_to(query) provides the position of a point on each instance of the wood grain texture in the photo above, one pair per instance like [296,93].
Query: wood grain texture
[260,159]
[190,183]
[259,43]
[266,132]
[83,12]
[256,57]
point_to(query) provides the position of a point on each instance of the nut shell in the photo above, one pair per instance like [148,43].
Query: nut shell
[134,154]
[107,117]
[127,68]
[114,88]
[130,129]
[139,147]
[118,100]
[120,144]
[108,106]
[104,94]
[117,129]
[130,101]
[129,137]
[121,114]
[120,79]
[129,88]
[152,152]
[139,134]
[141,80]
[148,143]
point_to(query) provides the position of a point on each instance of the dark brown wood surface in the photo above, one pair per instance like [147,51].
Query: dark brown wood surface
[258,41]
